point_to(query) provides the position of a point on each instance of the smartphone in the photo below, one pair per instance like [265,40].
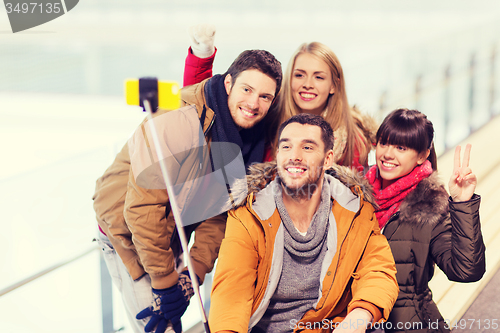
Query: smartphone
[169,94]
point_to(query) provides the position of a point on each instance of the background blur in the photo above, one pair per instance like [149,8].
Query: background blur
[63,115]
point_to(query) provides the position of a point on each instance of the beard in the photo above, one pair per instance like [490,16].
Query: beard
[304,190]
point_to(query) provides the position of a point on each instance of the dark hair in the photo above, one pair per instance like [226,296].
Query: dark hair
[261,60]
[411,129]
[311,119]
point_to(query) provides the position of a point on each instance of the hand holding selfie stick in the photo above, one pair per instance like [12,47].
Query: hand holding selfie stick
[151,94]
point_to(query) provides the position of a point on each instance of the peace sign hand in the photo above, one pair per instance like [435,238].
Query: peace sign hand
[462,182]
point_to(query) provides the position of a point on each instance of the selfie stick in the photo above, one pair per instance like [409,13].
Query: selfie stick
[149,95]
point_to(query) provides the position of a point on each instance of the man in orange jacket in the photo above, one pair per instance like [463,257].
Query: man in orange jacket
[305,252]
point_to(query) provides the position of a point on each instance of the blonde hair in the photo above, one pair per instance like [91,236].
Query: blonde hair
[337,112]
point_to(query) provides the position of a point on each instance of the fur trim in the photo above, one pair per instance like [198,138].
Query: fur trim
[350,177]
[261,174]
[366,124]
[428,203]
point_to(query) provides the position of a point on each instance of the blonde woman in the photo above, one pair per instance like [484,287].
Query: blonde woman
[313,83]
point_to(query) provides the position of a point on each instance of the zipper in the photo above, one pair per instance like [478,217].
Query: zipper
[210,125]
[391,219]
[204,133]
[340,252]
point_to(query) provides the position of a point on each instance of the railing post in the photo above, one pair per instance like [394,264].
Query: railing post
[492,83]
[106,298]
[472,92]
[447,108]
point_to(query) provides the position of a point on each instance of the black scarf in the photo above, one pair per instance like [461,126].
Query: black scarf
[251,141]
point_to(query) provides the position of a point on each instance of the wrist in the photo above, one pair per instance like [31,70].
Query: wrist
[363,314]
[164,281]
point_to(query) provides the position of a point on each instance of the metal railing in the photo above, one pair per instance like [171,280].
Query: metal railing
[479,79]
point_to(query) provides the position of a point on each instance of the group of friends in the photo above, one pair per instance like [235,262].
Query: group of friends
[317,240]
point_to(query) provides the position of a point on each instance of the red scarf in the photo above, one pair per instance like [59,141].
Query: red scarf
[389,199]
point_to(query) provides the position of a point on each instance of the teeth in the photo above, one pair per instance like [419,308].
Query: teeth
[306,95]
[389,165]
[295,170]
[247,113]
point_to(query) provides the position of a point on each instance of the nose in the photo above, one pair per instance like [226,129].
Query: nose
[308,82]
[253,101]
[389,152]
[296,154]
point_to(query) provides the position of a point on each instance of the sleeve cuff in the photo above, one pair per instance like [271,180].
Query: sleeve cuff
[162,281]
[374,310]
[192,60]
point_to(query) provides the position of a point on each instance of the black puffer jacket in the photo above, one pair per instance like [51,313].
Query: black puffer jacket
[430,228]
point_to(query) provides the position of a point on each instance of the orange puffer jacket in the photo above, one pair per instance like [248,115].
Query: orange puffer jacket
[358,271]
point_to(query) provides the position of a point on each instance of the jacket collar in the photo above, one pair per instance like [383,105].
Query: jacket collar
[195,95]
[427,203]
[347,188]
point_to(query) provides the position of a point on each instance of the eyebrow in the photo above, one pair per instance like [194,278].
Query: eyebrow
[310,141]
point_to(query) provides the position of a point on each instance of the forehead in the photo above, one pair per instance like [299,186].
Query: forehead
[296,132]
[257,80]
[310,62]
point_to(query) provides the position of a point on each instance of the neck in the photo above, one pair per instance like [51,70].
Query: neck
[321,111]
[387,182]
[302,210]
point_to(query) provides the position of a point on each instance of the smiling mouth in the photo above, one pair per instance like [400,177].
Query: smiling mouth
[388,165]
[307,96]
[248,113]
[295,170]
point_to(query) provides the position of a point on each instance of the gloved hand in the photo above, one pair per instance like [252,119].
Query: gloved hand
[168,304]
[202,40]
[157,319]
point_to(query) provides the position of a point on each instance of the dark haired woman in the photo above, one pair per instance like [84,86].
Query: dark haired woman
[424,226]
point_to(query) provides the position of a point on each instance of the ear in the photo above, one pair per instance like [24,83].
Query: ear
[423,156]
[332,90]
[328,159]
[228,80]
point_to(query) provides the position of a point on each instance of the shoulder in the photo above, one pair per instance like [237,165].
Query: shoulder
[353,180]
[366,123]
[194,94]
[170,123]
[244,224]
[428,203]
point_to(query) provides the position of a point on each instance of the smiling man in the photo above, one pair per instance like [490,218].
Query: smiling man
[137,230]
[305,252]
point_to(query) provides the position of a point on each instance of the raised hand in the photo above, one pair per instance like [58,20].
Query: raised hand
[462,182]
[202,40]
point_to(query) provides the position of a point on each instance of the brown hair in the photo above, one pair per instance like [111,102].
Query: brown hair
[260,60]
[314,120]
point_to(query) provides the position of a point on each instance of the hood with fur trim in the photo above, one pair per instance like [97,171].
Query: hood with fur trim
[261,174]
[428,203]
